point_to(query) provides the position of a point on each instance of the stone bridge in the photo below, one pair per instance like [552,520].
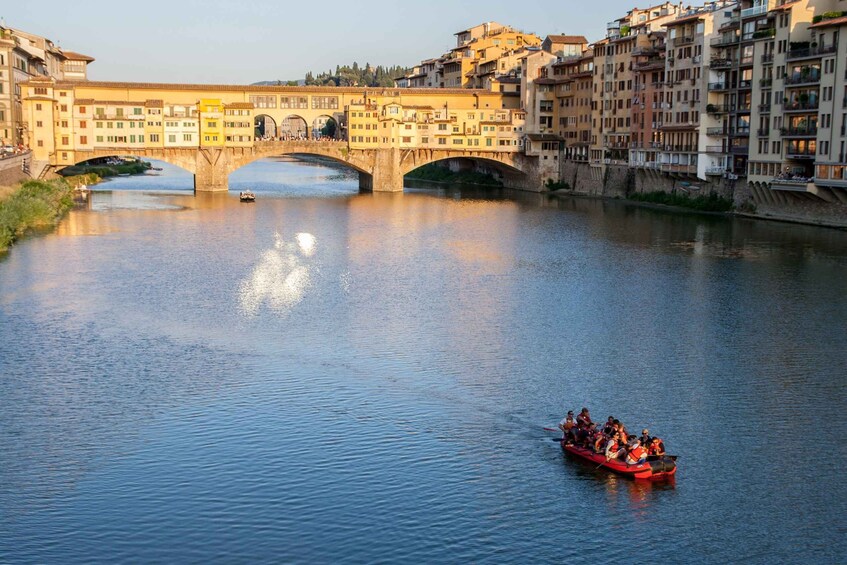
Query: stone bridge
[380,170]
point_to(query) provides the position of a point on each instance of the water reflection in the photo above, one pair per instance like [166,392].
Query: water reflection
[281,277]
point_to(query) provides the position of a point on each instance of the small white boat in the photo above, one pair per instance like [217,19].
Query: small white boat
[247,196]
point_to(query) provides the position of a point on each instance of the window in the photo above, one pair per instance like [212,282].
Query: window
[83,139]
[186,137]
[83,124]
[263,101]
[99,139]
[172,138]
[66,140]
[154,138]
[38,106]
[324,102]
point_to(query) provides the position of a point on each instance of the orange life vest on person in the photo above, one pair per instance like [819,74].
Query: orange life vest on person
[612,448]
[598,444]
[656,447]
[635,454]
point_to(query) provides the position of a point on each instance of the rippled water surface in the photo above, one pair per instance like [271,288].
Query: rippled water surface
[326,376]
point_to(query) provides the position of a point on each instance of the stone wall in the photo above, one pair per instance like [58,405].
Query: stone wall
[12,168]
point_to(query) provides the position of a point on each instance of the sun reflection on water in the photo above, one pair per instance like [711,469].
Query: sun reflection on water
[280,279]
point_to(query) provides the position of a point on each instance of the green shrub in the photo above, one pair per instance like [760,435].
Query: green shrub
[36,204]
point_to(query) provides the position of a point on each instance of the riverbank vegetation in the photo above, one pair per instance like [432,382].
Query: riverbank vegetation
[436,173]
[36,204]
[112,169]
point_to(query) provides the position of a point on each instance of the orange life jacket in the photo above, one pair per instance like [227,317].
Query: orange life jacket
[656,447]
[635,454]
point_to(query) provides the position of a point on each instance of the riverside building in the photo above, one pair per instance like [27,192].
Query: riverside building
[24,56]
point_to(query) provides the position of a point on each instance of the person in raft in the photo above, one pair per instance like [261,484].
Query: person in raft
[583,419]
[567,425]
[636,453]
[613,447]
[657,447]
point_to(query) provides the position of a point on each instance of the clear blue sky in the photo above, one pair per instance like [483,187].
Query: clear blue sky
[244,41]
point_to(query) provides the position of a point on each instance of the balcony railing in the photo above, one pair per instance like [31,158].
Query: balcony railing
[745,84]
[797,153]
[720,64]
[809,131]
[683,40]
[719,108]
[767,58]
[763,132]
[766,82]
[808,78]
[740,149]
[811,52]
[758,10]
[764,108]
[719,131]
[740,132]
[715,171]
[724,40]
[716,149]
[801,106]
[746,60]
[716,86]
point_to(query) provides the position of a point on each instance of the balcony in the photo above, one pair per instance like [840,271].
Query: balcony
[719,108]
[764,108]
[715,171]
[740,132]
[746,61]
[801,79]
[798,153]
[801,106]
[717,64]
[811,52]
[719,131]
[677,168]
[763,132]
[745,84]
[683,41]
[716,149]
[765,33]
[740,149]
[758,10]
[766,82]
[732,24]
[718,86]
[808,131]
[767,59]
[724,40]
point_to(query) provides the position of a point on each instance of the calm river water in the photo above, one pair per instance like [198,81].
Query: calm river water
[326,376]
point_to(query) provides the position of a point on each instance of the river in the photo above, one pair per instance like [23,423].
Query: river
[326,376]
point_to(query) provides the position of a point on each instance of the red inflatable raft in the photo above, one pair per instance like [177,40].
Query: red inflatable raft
[657,467]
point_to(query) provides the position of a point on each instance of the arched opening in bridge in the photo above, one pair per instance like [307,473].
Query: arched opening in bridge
[293,127]
[108,166]
[325,127]
[265,127]
[463,170]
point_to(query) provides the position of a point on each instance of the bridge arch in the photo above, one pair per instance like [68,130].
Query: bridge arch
[333,150]
[324,126]
[264,127]
[293,126]
[505,164]
[183,158]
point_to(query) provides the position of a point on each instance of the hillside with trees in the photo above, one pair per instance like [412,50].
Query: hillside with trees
[347,76]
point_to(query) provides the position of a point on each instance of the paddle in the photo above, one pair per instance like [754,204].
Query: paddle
[551,430]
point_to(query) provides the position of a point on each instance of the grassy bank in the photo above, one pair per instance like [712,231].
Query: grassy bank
[34,204]
[104,171]
[710,203]
[434,173]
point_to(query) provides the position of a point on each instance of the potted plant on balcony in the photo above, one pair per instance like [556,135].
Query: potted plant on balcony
[804,99]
